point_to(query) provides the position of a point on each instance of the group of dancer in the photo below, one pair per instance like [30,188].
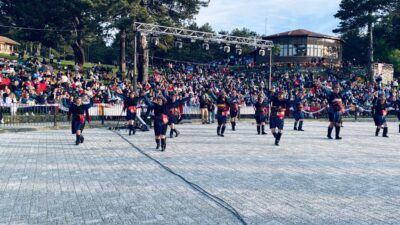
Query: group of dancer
[272,105]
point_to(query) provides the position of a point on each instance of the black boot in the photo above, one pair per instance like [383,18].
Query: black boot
[377,132]
[263,130]
[399,128]
[176,132]
[233,125]
[385,132]
[258,130]
[158,143]
[163,144]
[223,131]
[295,125]
[82,139]
[78,140]
[133,130]
[130,129]
[274,134]
[278,138]
[171,133]
[337,131]
[300,126]
[330,129]
[218,130]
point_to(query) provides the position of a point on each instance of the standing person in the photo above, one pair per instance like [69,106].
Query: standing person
[261,107]
[278,108]
[78,111]
[380,112]
[335,111]
[234,103]
[204,108]
[174,113]
[161,110]
[397,108]
[130,106]
[211,111]
[222,111]
[298,111]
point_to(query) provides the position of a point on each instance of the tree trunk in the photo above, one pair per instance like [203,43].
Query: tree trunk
[77,46]
[143,59]
[39,48]
[122,54]
[371,51]
[79,53]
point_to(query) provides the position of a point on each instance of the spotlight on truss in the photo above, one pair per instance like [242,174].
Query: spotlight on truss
[178,43]
[155,40]
[238,49]
[192,40]
[206,46]
[261,52]
[227,49]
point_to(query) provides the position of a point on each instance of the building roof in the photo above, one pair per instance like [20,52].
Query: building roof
[8,41]
[301,33]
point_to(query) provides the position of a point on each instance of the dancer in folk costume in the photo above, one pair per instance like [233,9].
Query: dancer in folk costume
[278,109]
[298,111]
[380,109]
[223,103]
[234,107]
[335,111]
[174,112]
[130,106]
[79,113]
[161,109]
[261,109]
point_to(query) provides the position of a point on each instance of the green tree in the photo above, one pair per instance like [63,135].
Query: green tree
[356,15]
[53,22]
[124,13]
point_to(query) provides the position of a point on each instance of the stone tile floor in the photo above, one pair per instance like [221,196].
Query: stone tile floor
[46,179]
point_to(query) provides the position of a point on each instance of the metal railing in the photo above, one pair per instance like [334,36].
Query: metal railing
[54,114]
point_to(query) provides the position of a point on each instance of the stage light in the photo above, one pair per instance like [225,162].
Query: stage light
[178,43]
[155,41]
[206,46]
[192,40]
[238,49]
[227,49]
[261,52]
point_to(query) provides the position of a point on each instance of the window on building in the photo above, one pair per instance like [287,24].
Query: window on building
[300,50]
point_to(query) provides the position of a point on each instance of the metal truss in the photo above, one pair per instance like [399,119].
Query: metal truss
[202,36]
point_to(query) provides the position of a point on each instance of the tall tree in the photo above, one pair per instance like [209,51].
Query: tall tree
[52,22]
[166,12]
[356,15]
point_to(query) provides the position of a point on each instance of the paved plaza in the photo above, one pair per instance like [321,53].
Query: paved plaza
[46,179]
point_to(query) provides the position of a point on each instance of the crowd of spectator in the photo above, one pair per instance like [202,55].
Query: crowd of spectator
[35,82]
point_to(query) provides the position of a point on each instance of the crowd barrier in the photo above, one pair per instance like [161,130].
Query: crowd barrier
[16,113]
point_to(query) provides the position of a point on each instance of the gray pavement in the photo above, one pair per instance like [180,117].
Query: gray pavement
[46,179]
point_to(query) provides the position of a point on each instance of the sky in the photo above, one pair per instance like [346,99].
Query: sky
[271,16]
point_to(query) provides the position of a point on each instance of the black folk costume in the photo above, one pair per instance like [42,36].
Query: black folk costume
[79,114]
[234,106]
[380,111]
[174,113]
[298,113]
[130,105]
[222,102]
[335,112]
[278,110]
[160,119]
[260,115]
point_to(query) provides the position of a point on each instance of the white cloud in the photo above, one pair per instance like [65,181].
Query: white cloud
[282,15]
